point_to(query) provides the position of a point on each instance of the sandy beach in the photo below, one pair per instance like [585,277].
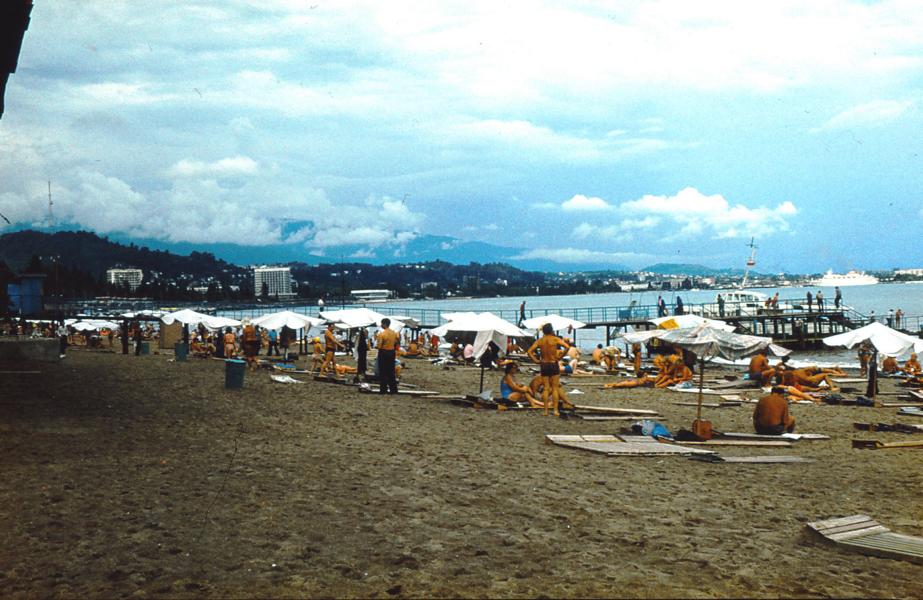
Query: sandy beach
[140,476]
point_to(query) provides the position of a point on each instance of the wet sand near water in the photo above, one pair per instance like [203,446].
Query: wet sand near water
[130,475]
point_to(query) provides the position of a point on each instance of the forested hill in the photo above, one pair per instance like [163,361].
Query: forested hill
[93,254]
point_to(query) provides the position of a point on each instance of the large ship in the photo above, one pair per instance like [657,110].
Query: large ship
[832,279]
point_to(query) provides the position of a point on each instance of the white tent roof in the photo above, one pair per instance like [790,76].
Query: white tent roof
[287,318]
[488,326]
[889,342]
[478,322]
[358,317]
[93,325]
[557,322]
[191,317]
[145,313]
[686,321]
[707,342]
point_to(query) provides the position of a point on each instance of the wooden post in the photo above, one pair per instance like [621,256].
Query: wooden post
[698,409]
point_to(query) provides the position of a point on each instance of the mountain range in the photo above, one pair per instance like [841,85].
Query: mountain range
[16,247]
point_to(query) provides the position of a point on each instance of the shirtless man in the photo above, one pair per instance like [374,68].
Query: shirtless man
[771,417]
[759,369]
[331,345]
[912,366]
[546,351]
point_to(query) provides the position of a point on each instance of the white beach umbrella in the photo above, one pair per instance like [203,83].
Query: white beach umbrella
[353,318]
[190,317]
[889,342]
[488,327]
[557,322]
[93,325]
[287,318]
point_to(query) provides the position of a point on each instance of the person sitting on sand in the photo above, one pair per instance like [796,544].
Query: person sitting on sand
[570,366]
[673,372]
[889,366]
[434,345]
[546,351]
[468,354]
[597,357]
[413,349]
[510,390]
[230,343]
[771,417]
[912,366]
[759,370]
[317,354]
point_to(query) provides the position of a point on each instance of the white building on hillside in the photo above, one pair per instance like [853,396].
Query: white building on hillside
[278,281]
[131,277]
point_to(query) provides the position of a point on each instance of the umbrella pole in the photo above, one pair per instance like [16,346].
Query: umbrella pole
[698,410]
[481,391]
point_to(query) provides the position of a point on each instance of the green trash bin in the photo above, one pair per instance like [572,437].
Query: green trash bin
[145,348]
[234,373]
[181,350]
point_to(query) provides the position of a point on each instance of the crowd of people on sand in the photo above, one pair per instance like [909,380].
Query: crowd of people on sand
[552,355]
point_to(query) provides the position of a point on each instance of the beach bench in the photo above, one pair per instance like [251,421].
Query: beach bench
[861,533]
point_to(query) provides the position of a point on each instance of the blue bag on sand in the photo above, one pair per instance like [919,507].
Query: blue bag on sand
[863,401]
[655,429]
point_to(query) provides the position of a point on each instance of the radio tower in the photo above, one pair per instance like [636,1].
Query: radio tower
[50,205]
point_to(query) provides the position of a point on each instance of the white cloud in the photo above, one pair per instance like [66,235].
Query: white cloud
[578,255]
[580,203]
[225,167]
[617,232]
[694,213]
[869,114]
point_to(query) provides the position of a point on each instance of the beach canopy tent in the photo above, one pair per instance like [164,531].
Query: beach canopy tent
[557,322]
[889,342]
[287,318]
[190,317]
[145,313]
[706,341]
[353,318]
[92,325]
[488,327]
[686,321]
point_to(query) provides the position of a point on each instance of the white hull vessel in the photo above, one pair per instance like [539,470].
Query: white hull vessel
[832,279]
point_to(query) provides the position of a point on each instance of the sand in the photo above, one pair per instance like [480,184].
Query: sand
[140,476]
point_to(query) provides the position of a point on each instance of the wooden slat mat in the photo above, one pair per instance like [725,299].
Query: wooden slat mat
[717,458]
[861,533]
[615,411]
[794,437]
[611,445]
[913,411]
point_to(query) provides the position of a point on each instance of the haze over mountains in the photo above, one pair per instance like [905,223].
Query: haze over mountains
[423,248]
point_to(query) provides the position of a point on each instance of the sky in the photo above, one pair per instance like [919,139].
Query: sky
[630,132]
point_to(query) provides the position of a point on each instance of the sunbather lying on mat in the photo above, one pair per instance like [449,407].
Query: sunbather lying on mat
[643,381]
[794,393]
[511,390]
[344,369]
[807,379]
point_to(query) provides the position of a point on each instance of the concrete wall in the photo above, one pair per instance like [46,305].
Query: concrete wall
[44,349]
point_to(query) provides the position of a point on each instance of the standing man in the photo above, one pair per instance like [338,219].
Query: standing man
[273,337]
[820,301]
[331,345]
[138,337]
[810,300]
[837,297]
[547,351]
[61,332]
[720,305]
[898,315]
[522,312]
[890,317]
[661,307]
[388,342]
[362,350]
